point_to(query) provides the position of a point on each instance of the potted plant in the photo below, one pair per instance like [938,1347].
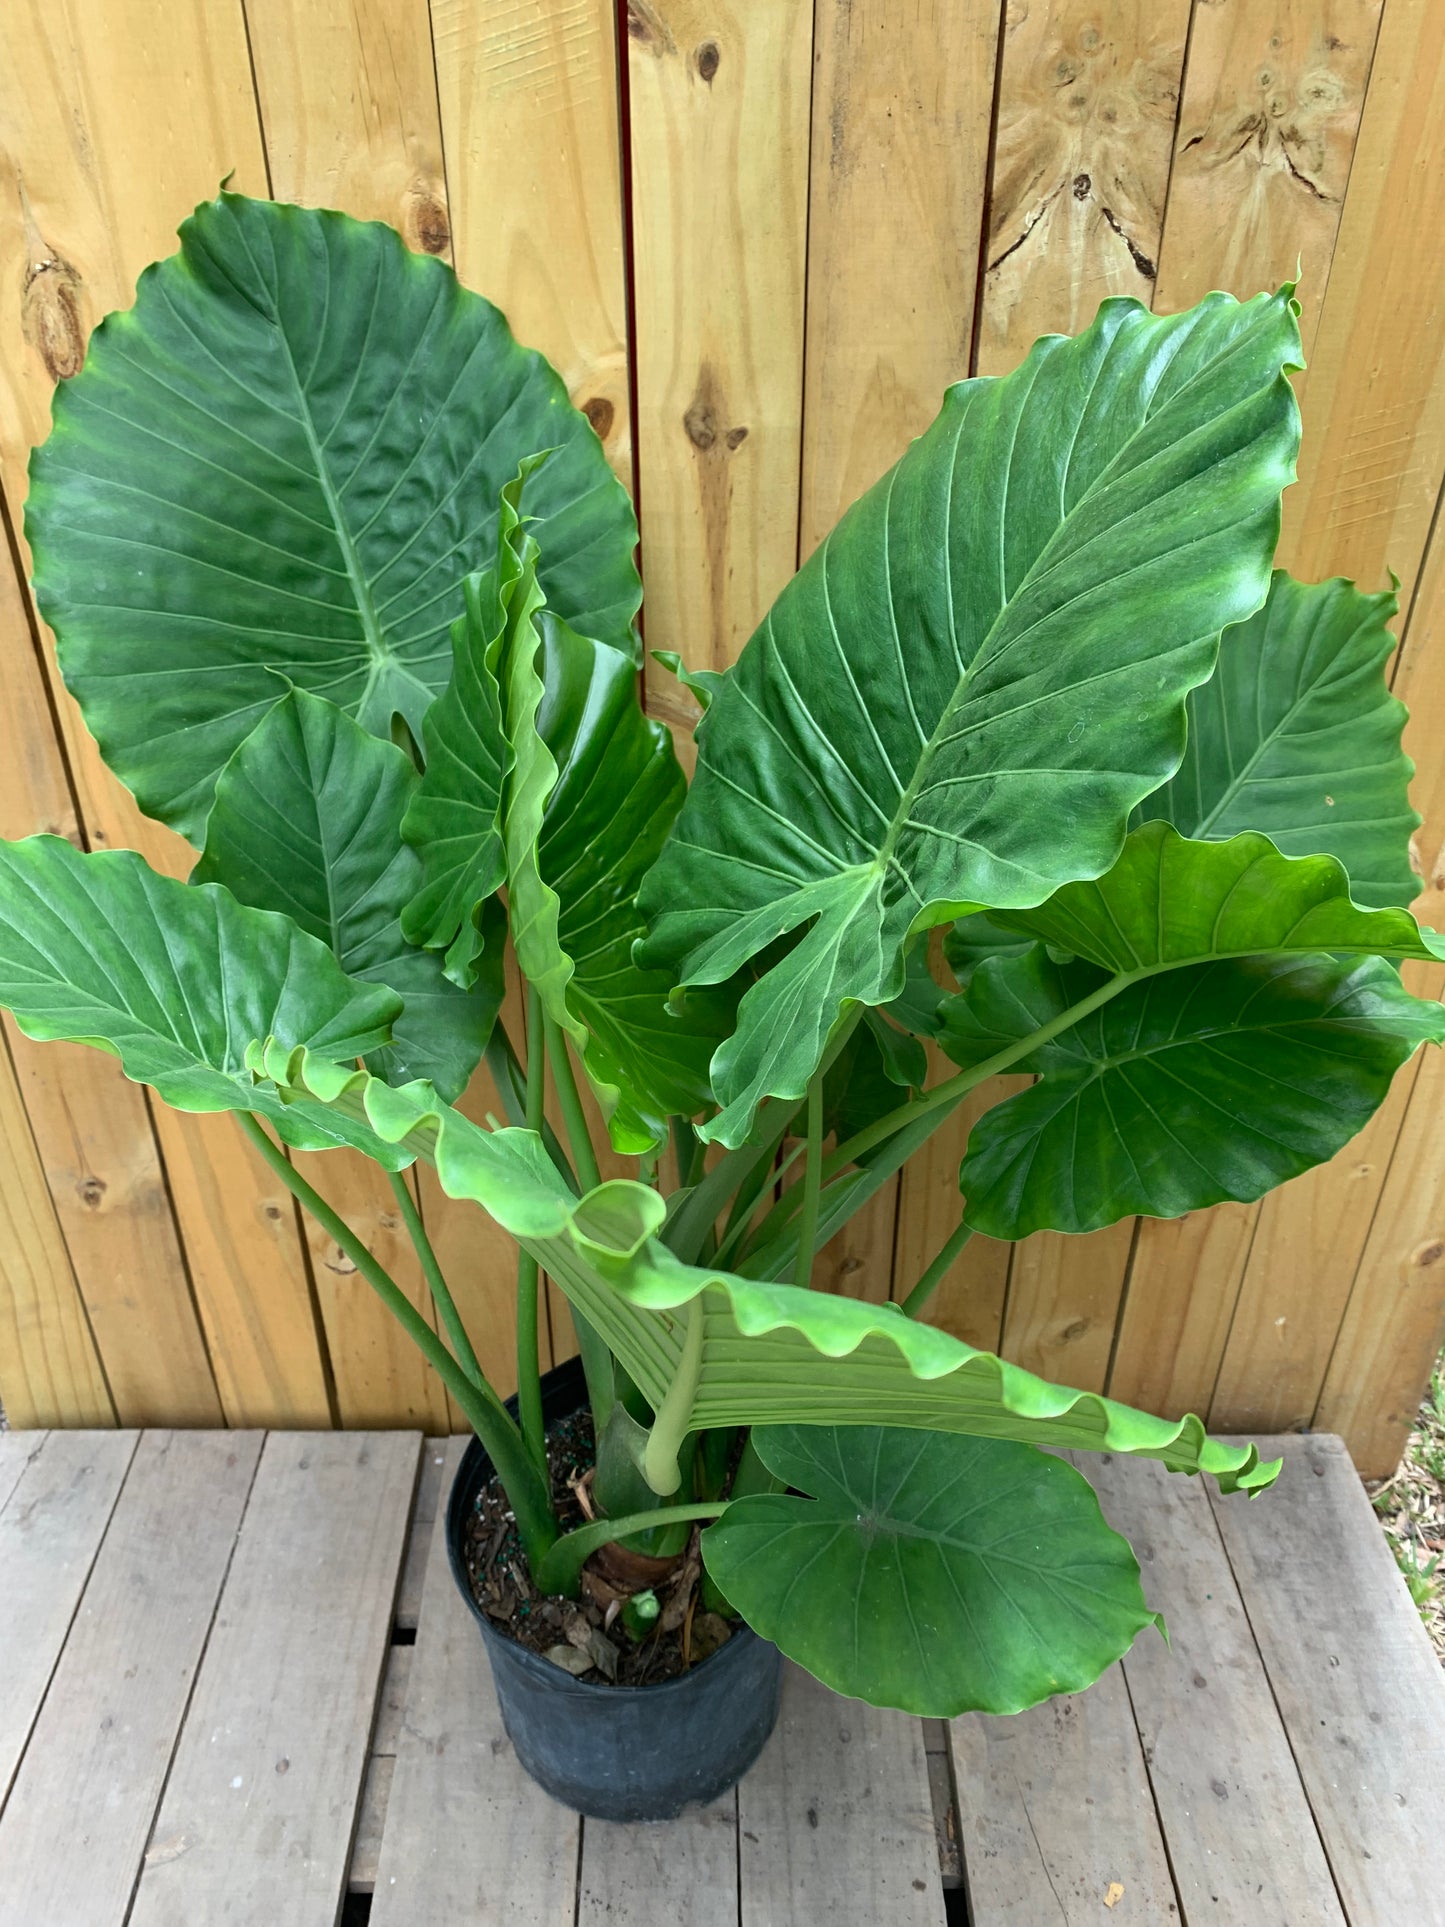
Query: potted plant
[346,592]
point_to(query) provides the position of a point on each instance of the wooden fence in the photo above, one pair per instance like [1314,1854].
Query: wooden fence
[758,237]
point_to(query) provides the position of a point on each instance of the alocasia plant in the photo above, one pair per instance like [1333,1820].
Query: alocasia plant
[346,593]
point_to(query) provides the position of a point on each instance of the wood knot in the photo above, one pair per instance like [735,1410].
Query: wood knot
[1075,1329]
[50,316]
[647,28]
[601,413]
[1082,187]
[700,423]
[92,1192]
[430,224]
[1429,1254]
[736,437]
[709,54]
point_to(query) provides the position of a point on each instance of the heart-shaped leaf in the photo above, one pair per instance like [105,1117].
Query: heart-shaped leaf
[284,457]
[543,773]
[937,1574]
[307,821]
[175,980]
[1297,734]
[980,672]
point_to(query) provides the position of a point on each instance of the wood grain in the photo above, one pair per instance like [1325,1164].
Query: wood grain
[1374,397]
[113,124]
[97,1759]
[348,105]
[1272,100]
[50,1372]
[1394,1323]
[648,1876]
[1086,108]
[1359,1689]
[262,1796]
[381,1377]
[1174,1322]
[1063,1303]
[528,94]
[901,109]
[1302,1265]
[970,1301]
[1055,1814]
[1242,1843]
[50,1530]
[468,1836]
[720,106]
[836,1817]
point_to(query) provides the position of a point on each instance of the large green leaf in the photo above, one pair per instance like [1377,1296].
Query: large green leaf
[980,672]
[1297,734]
[307,821]
[756,1353]
[175,980]
[1228,1022]
[285,457]
[1170,900]
[941,1575]
[543,773]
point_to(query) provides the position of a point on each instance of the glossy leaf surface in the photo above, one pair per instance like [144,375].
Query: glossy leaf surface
[980,672]
[307,821]
[285,456]
[175,980]
[1297,734]
[941,1575]
[1209,1083]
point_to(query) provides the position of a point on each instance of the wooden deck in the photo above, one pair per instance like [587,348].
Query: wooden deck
[237,1685]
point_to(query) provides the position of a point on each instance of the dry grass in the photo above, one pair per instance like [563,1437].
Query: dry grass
[1411,1506]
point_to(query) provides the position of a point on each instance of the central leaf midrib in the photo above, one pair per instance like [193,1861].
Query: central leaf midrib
[910,794]
[378,648]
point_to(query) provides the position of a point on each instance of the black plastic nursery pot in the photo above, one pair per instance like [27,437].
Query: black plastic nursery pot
[619,1752]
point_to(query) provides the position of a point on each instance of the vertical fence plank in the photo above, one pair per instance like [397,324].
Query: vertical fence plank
[528,92]
[1272,100]
[902,101]
[349,114]
[349,110]
[1172,1328]
[49,1368]
[1374,396]
[1086,110]
[106,1193]
[1085,126]
[50,1372]
[1370,476]
[113,123]
[720,105]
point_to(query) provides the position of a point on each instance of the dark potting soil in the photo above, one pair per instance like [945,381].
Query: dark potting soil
[585,1636]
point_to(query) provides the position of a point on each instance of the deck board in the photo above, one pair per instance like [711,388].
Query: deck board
[1242,1841]
[50,1532]
[119,1692]
[467,1837]
[1282,1765]
[1360,1691]
[836,1819]
[1055,1817]
[258,1815]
